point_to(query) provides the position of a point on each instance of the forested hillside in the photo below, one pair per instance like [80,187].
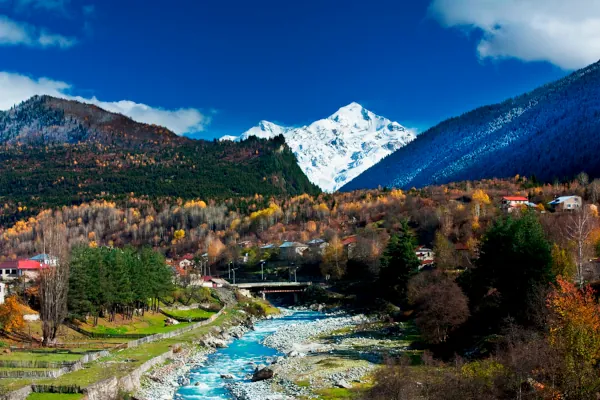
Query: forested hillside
[57,152]
[552,132]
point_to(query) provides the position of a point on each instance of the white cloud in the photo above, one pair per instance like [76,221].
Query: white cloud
[15,88]
[563,32]
[13,33]
[43,4]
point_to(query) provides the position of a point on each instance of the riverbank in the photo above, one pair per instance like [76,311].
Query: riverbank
[330,358]
[162,382]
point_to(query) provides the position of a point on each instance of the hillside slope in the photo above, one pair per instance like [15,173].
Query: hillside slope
[55,152]
[551,132]
[334,150]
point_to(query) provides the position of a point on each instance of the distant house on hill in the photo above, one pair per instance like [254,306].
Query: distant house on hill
[350,244]
[317,246]
[291,250]
[509,203]
[244,244]
[566,203]
[45,259]
[425,256]
[16,268]
[209,281]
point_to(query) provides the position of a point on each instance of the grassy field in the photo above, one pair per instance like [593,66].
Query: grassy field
[54,396]
[39,356]
[193,313]
[148,324]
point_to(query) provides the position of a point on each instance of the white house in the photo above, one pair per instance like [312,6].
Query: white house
[566,203]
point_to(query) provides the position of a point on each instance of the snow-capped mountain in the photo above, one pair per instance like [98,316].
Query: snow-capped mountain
[334,150]
[552,132]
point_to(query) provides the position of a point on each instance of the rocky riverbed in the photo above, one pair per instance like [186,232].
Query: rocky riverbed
[300,353]
[163,381]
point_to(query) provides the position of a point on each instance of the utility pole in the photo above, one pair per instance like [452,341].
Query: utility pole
[229,265]
[262,270]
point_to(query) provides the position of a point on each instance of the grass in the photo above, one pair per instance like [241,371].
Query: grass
[192,313]
[39,356]
[54,396]
[123,362]
[337,394]
[148,324]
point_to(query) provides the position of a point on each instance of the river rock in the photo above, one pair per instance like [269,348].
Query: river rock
[343,384]
[227,376]
[262,374]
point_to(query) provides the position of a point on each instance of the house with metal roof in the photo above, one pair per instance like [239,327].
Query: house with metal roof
[291,250]
[566,203]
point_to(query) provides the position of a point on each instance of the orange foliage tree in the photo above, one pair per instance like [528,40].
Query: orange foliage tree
[574,324]
[11,315]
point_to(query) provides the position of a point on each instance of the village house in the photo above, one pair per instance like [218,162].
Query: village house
[424,253]
[244,244]
[350,244]
[186,262]
[16,268]
[566,203]
[209,281]
[292,250]
[45,259]
[510,203]
[317,246]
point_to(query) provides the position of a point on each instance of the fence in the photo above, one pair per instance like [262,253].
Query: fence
[71,389]
[35,364]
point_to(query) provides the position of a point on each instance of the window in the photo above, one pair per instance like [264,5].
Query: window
[13,271]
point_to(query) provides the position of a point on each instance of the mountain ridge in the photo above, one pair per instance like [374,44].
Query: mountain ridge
[333,150]
[551,132]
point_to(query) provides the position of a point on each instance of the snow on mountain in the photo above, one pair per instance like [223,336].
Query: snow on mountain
[334,150]
[552,132]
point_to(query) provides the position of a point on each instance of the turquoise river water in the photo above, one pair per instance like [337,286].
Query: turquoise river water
[239,359]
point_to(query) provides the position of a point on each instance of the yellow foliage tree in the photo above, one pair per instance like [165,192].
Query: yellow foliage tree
[179,234]
[11,315]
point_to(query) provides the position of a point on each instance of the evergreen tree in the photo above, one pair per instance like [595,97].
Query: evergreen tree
[399,263]
[515,261]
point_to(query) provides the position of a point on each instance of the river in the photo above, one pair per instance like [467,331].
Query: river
[239,359]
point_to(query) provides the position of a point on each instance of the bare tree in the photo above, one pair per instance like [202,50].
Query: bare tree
[577,229]
[594,189]
[54,279]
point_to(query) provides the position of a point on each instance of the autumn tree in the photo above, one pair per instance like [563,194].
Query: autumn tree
[574,331]
[11,315]
[562,263]
[445,254]
[440,303]
[334,259]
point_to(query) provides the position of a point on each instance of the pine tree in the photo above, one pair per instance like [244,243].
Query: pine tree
[399,263]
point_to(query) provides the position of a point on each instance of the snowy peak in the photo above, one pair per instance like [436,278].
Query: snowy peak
[356,116]
[264,130]
[334,150]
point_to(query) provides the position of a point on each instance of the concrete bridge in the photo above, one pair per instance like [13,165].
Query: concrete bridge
[265,288]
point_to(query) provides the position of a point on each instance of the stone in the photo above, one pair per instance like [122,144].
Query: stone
[343,384]
[262,374]
[227,376]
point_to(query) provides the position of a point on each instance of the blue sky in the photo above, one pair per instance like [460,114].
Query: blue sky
[217,67]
